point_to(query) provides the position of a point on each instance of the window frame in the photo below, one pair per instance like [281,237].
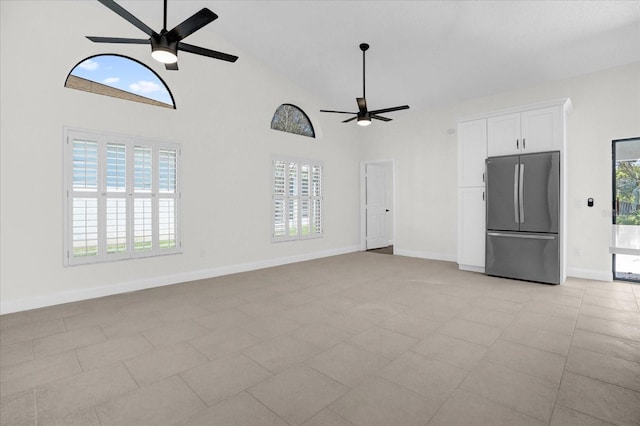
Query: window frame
[285,197]
[104,193]
[84,84]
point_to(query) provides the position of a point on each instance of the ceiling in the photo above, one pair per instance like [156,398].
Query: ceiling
[423,53]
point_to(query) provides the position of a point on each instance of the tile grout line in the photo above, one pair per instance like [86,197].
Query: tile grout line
[566,358]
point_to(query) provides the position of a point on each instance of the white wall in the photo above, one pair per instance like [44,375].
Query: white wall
[606,106]
[222,121]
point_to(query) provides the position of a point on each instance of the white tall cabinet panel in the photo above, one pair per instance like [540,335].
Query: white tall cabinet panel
[520,130]
[472,151]
[471,232]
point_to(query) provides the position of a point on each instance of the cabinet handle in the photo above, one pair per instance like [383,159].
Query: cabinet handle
[517,143]
[482,195]
[482,177]
[524,143]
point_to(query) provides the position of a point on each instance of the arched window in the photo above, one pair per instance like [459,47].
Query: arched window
[120,77]
[291,119]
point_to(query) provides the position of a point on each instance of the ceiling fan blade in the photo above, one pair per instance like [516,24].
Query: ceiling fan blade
[379,117]
[206,52]
[338,112]
[398,108]
[118,40]
[171,67]
[350,119]
[362,104]
[192,24]
[128,16]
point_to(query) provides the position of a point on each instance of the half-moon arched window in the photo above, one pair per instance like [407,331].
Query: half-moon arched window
[291,119]
[120,77]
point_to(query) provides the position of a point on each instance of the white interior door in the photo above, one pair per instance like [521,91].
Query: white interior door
[376,206]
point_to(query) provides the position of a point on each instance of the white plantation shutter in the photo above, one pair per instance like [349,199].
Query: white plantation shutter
[296,199]
[142,169]
[142,224]
[84,227]
[279,177]
[167,198]
[115,211]
[142,202]
[316,199]
[122,197]
[83,198]
[116,232]
[166,223]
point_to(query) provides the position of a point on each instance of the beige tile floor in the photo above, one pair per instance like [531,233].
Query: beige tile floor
[360,339]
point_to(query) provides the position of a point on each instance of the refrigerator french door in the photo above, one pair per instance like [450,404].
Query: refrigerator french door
[523,212]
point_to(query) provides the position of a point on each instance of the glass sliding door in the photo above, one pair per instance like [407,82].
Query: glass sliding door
[625,229]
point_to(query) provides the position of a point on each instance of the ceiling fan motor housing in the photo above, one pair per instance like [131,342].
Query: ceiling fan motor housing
[163,44]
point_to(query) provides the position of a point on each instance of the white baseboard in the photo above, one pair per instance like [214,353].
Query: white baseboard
[17,305]
[471,268]
[590,274]
[425,255]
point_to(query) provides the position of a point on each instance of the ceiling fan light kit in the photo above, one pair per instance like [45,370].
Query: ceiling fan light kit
[163,50]
[364,120]
[165,45]
[364,116]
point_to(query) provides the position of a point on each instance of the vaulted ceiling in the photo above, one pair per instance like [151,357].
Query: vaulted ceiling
[423,53]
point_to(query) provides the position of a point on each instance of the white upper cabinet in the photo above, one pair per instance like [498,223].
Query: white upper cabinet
[472,150]
[504,134]
[536,130]
[542,130]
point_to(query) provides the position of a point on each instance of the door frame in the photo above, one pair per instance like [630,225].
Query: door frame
[390,168]
[614,209]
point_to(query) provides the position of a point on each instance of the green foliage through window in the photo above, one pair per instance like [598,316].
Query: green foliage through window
[291,119]
[628,192]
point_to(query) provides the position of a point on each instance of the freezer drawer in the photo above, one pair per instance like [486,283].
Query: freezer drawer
[524,256]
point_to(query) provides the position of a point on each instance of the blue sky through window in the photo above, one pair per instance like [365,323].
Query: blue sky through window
[124,74]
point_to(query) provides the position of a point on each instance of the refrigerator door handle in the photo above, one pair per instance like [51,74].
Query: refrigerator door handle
[520,235]
[521,193]
[515,193]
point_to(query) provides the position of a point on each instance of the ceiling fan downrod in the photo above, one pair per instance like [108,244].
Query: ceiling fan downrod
[164,26]
[364,47]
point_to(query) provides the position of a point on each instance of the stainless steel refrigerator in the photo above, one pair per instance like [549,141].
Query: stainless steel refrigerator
[523,214]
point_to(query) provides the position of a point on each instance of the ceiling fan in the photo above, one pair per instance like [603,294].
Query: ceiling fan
[165,46]
[363,115]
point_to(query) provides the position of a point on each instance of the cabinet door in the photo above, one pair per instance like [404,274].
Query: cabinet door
[472,150]
[503,135]
[471,228]
[541,130]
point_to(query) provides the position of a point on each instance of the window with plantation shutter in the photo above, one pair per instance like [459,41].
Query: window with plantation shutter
[296,199]
[122,197]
